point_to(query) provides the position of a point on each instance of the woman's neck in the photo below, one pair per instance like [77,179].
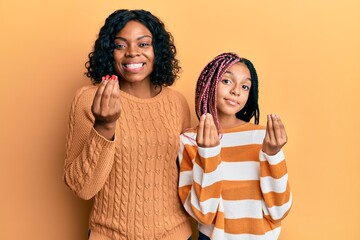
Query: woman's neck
[140,89]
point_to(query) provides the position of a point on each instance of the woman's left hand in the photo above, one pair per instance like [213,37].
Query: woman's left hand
[275,137]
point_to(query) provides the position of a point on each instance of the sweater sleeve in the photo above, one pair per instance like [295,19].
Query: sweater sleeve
[89,156]
[200,181]
[274,186]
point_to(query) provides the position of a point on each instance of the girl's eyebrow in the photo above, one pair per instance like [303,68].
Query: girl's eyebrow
[229,72]
[232,74]
[139,38]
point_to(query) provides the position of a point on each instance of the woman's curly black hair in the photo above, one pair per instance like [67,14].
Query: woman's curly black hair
[101,61]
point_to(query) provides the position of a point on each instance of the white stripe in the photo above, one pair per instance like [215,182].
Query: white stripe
[219,234]
[274,159]
[209,206]
[270,184]
[242,209]
[180,152]
[235,171]
[209,152]
[206,179]
[277,212]
[188,138]
[185,178]
[242,138]
[188,206]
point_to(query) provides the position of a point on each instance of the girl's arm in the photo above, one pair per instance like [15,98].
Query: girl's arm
[200,182]
[273,171]
[89,155]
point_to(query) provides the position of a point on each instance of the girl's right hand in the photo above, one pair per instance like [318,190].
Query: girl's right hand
[106,106]
[207,134]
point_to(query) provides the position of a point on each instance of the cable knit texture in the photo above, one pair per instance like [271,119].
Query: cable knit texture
[133,178]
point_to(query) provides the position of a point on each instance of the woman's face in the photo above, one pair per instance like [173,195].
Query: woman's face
[134,53]
[233,90]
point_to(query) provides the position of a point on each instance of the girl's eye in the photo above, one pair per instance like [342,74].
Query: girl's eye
[245,87]
[226,81]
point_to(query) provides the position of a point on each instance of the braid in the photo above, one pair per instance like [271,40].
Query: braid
[206,88]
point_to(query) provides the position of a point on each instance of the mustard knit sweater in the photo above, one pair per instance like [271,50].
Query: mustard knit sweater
[133,178]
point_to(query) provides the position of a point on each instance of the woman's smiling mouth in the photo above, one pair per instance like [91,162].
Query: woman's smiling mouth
[133,65]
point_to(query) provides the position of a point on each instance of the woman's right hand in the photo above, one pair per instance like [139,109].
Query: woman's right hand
[207,134]
[106,106]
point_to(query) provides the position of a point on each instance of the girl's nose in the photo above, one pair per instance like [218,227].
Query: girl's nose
[235,91]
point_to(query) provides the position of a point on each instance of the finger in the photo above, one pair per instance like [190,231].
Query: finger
[270,128]
[114,100]
[200,131]
[106,94]
[207,128]
[282,130]
[277,130]
[98,95]
[214,136]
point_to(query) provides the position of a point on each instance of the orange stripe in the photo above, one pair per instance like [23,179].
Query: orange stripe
[246,225]
[208,164]
[240,153]
[276,171]
[183,192]
[240,190]
[186,163]
[212,191]
[277,199]
[204,218]
[230,190]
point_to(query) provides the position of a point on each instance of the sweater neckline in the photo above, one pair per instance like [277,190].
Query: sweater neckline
[159,96]
[244,126]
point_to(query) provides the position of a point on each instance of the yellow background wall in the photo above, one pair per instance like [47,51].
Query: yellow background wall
[307,57]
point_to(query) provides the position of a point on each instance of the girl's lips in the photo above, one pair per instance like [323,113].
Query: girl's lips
[231,101]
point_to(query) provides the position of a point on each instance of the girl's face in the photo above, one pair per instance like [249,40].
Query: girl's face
[233,90]
[134,53]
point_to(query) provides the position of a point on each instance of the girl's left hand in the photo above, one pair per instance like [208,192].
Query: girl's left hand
[275,137]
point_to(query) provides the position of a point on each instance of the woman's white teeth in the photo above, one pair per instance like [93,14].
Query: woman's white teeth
[133,65]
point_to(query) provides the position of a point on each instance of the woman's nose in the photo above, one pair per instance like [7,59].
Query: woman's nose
[132,51]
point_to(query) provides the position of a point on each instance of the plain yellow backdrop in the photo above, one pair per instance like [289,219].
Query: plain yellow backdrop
[307,57]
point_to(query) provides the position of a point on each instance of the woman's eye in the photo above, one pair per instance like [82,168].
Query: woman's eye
[144,44]
[120,46]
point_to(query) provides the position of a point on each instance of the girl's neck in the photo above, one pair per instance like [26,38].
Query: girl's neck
[230,122]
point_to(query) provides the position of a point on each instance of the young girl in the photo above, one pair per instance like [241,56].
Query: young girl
[233,176]
[124,132]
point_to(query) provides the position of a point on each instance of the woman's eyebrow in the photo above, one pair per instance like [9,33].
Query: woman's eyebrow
[139,38]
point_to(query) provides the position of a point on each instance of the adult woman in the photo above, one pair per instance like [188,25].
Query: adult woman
[124,132]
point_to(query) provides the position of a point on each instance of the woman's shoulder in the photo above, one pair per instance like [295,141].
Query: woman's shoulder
[86,90]
[175,94]
[85,94]
[172,91]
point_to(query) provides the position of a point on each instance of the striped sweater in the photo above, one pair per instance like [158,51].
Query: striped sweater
[234,190]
